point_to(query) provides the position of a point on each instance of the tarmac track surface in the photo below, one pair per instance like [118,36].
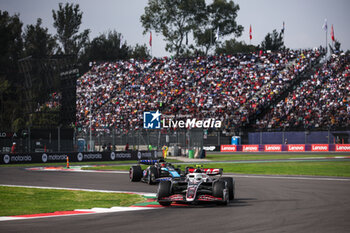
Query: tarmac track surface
[261,205]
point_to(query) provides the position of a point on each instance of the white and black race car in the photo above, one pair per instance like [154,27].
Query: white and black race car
[198,186]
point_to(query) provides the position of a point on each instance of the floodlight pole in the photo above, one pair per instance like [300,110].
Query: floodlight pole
[326,40]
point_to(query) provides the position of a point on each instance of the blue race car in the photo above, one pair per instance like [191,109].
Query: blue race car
[159,170]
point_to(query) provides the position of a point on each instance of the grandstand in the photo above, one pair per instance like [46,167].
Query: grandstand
[320,102]
[231,88]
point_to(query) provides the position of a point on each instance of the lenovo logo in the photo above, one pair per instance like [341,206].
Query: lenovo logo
[273,148]
[343,147]
[228,148]
[319,147]
[296,148]
[250,148]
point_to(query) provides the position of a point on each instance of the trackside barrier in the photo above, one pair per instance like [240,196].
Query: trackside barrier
[289,148]
[76,157]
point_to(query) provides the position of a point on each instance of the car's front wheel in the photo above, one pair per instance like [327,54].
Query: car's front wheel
[164,190]
[230,185]
[218,191]
[152,175]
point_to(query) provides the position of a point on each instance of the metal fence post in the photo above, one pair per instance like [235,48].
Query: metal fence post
[328,136]
[59,138]
[29,139]
[218,134]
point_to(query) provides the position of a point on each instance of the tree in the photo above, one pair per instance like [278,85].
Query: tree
[273,41]
[232,47]
[11,43]
[335,49]
[140,52]
[67,21]
[11,49]
[38,42]
[220,19]
[107,47]
[175,19]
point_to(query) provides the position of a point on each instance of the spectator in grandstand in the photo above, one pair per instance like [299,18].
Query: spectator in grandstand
[230,88]
[319,102]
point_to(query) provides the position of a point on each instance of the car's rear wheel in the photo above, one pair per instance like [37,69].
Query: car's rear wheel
[164,190]
[135,173]
[231,186]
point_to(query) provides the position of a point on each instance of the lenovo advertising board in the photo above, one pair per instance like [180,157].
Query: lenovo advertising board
[250,148]
[319,147]
[228,148]
[296,147]
[342,147]
[273,148]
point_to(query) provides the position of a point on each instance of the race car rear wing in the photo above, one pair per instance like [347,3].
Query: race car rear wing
[208,171]
[148,161]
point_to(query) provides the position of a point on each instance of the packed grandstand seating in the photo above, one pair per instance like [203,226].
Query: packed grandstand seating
[229,88]
[321,101]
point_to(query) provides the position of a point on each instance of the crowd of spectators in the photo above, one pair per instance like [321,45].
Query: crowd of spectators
[320,102]
[230,88]
[53,102]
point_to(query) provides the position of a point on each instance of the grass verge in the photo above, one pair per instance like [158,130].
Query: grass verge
[20,201]
[333,168]
[228,157]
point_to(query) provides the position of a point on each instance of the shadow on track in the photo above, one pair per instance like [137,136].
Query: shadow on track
[239,202]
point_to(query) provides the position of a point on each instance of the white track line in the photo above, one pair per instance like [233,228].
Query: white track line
[88,211]
[76,170]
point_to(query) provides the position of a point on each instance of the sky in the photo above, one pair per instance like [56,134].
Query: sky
[303,19]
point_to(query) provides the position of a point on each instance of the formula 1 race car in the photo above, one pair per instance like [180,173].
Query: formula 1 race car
[198,186]
[157,171]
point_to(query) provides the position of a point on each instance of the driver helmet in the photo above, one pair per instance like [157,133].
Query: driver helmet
[198,170]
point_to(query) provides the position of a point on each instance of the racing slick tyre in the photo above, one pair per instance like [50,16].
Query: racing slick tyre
[218,191]
[135,173]
[152,175]
[231,186]
[164,190]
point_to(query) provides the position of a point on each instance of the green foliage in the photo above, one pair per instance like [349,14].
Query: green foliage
[18,124]
[335,49]
[46,117]
[220,17]
[273,41]
[38,42]
[232,47]
[107,47]
[11,43]
[4,86]
[140,52]
[175,19]
[67,21]
[233,157]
